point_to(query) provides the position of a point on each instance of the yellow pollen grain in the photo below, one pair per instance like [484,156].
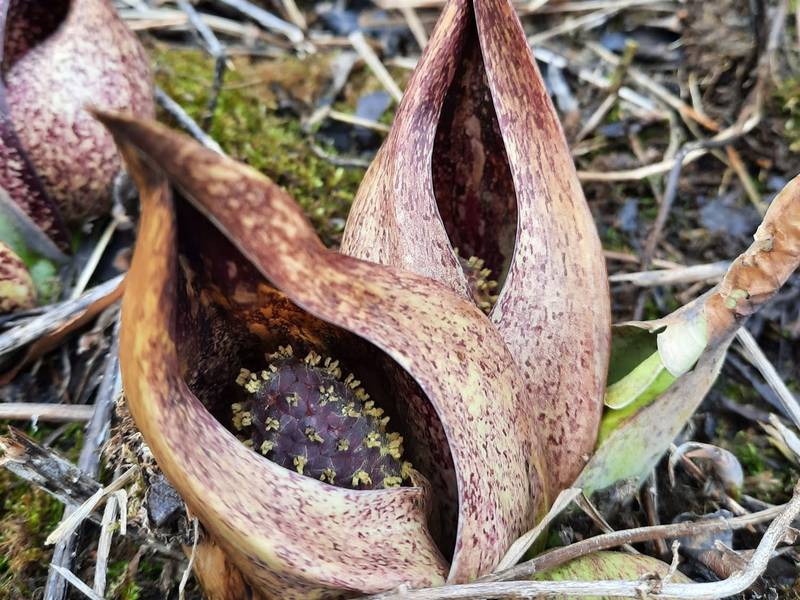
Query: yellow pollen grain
[244,375]
[373,440]
[272,424]
[312,359]
[343,445]
[299,463]
[361,477]
[405,470]
[328,475]
[313,435]
[390,482]
[266,446]
[350,410]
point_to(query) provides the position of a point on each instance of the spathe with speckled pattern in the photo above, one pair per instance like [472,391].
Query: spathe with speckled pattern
[498,411]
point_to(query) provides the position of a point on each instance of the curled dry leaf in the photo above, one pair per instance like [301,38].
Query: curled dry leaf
[476,161]
[56,162]
[635,437]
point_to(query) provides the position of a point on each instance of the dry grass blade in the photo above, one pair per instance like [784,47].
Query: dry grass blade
[77,583]
[104,545]
[68,525]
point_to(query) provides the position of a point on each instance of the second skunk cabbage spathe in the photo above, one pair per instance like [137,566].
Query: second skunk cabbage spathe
[477,161]
[56,162]
[346,423]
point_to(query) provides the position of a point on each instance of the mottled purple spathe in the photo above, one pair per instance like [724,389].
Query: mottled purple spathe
[56,162]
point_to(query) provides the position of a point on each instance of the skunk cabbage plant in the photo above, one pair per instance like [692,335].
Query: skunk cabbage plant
[56,162]
[348,422]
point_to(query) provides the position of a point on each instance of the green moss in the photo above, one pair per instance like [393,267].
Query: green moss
[787,95]
[122,586]
[27,515]
[249,128]
[768,476]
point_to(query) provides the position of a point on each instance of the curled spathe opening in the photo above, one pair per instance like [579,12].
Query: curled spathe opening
[432,357]
[472,179]
[231,319]
[476,169]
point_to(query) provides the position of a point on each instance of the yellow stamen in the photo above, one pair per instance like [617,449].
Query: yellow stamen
[300,463]
[361,477]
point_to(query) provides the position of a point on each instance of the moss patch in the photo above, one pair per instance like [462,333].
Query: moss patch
[27,516]
[250,128]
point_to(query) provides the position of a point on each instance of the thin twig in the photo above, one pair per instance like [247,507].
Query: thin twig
[708,272]
[50,413]
[185,121]
[295,14]
[71,523]
[339,161]
[167,18]
[337,115]
[217,52]
[94,258]
[643,172]
[590,21]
